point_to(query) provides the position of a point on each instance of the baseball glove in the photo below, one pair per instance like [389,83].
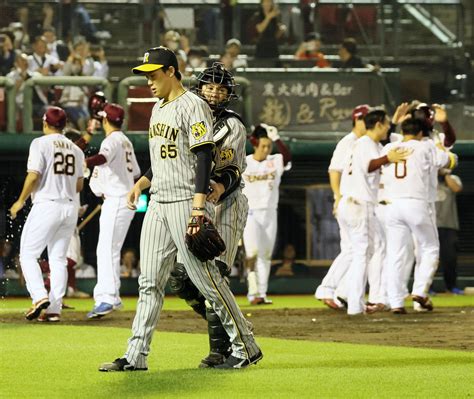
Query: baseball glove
[206,243]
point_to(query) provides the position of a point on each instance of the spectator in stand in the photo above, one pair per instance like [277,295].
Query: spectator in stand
[79,61]
[230,58]
[74,98]
[177,43]
[22,39]
[269,31]
[40,61]
[19,75]
[310,50]
[448,225]
[56,48]
[288,267]
[129,266]
[101,67]
[348,54]
[197,57]
[7,55]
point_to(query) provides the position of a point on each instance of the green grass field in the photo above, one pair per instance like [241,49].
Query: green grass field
[60,361]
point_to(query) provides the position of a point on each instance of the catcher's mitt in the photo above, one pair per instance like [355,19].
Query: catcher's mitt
[206,243]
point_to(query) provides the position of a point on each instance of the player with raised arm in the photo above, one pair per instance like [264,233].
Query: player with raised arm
[262,179]
[55,175]
[115,170]
[407,185]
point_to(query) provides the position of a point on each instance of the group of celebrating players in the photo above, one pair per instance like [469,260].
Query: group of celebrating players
[384,203]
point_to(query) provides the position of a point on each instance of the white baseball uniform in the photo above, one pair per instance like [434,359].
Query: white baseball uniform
[356,213]
[262,182]
[53,217]
[112,181]
[340,265]
[407,185]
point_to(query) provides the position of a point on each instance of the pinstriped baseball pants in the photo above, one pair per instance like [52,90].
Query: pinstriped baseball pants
[230,219]
[162,238]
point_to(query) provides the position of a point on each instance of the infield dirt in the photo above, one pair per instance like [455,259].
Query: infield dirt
[445,328]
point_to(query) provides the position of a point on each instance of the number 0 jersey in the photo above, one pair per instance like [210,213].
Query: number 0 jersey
[411,178]
[176,127]
[60,163]
[116,177]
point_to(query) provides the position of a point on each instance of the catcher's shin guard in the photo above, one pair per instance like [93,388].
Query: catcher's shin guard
[182,286]
[219,343]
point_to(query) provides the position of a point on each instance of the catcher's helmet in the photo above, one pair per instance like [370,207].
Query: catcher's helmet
[217,74]
[97,103]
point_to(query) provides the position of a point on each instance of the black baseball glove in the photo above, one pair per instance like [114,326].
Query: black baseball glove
[206,243]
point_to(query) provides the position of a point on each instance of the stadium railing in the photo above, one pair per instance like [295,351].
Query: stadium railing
[56,81]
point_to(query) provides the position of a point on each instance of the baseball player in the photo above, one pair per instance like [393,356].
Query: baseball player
[181,144]
[262,182]
[407,185]
[55,175]
[326,292]
[115,170]
[361,176]
[216,86]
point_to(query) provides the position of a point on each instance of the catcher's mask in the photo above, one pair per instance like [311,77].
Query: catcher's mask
[217,74]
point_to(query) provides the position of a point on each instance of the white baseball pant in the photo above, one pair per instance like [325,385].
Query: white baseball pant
[50,225]
[259,239]
[115,219]
[406,216]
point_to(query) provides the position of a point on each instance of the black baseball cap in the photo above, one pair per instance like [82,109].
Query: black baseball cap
[156,58]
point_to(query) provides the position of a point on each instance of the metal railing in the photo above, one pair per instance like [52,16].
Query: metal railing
[10,90]
[56,81]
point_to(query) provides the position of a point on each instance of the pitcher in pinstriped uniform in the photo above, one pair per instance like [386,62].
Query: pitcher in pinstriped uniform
[181,144]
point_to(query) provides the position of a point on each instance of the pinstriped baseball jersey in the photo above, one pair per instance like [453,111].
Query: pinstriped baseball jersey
[230,142]
[176,127]
[231,213]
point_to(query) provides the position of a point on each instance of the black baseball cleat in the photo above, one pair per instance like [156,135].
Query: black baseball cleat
[36,309]
[425,302]
[212,360]
[233,362]
[120,364]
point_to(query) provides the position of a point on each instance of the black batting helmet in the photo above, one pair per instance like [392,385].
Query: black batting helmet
[217,74]
[425,114]
[97,102]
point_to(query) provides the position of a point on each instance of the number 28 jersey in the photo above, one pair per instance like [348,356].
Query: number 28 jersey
[60,163]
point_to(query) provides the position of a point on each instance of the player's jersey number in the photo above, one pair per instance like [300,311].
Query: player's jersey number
[168,151]
[64,164]
[400,169]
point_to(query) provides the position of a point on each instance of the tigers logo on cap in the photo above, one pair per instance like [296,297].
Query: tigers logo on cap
[145,57]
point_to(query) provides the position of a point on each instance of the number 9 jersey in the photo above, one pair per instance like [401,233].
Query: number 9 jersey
[60,164]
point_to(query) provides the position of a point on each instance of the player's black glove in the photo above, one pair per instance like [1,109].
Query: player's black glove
[206,243]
